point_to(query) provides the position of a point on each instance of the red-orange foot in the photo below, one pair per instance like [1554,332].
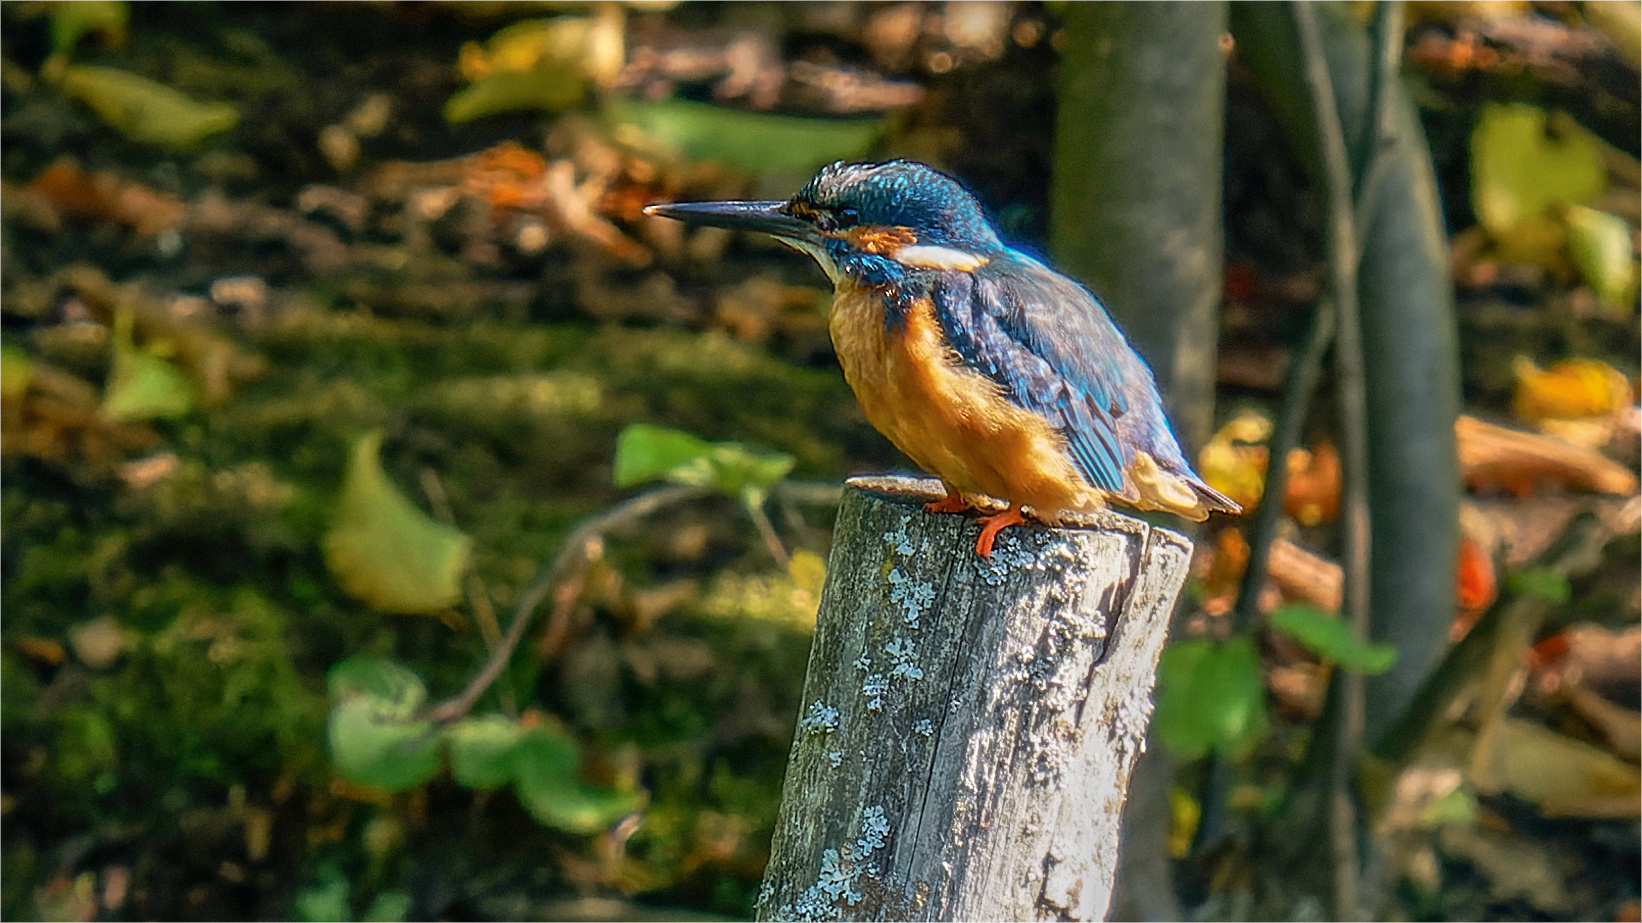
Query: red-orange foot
[953,502]
[992,525]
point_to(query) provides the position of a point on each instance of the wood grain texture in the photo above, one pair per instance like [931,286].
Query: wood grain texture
[969,725]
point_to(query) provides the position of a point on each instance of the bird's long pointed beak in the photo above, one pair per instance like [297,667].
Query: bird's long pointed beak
[763,217]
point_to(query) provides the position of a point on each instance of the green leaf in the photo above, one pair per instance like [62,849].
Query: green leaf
[749,140]
[372,743]
[145,111]
[383,550]
[645,452]
[388,907]
[1210,696]
[546,784]
[1541,583]
[70,21]
[1518,171]
[549,88]
[393,686]
[744,472]
[86,746]
[548,64]
[326,898]
[142,386]
[481,751]
[1600,245]
[1330,637]
[1457,807]
[375,737]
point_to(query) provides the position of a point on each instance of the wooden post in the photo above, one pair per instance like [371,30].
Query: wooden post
[969,725]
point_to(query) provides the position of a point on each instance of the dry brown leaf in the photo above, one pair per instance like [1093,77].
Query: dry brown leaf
[1563,776]
[1305,577]
[1620,727]
[1494,456]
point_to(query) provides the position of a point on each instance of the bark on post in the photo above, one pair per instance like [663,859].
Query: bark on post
[969,725]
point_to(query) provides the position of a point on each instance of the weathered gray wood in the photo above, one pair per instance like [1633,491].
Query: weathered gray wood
[969,725]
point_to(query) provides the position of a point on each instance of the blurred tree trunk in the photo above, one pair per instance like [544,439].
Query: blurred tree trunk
[1135,205]
[1136,216]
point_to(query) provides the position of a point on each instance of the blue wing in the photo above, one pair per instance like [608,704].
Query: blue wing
[1049,343]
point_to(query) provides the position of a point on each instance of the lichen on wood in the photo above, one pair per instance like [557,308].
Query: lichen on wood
[971,722]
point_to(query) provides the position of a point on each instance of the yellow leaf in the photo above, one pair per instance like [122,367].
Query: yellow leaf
[1572,389]
[1233,462]
[591,46]
[808,571]
[383,550]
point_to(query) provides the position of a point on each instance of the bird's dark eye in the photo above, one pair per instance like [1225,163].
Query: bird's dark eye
[846,218]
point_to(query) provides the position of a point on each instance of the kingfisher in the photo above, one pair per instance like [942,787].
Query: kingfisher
[991,371]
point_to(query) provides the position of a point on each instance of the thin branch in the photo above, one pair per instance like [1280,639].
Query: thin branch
[1343,258]
[1386,34]
[809,493]
[484,613]
[766,531]
[1300,381]
[1299,384]
[571,560]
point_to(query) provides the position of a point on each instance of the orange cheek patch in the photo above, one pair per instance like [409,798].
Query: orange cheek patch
[880,239]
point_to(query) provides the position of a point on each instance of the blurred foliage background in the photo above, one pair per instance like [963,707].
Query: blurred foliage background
[334,346]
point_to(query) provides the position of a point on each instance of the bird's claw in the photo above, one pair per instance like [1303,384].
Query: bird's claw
[951,503]
[992,525]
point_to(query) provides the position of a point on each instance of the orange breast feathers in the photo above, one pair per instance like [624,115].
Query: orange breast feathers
[951,420]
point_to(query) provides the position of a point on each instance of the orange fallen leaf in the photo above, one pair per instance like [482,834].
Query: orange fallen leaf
[1475,585]
[1589,654]
[1313,494]
[103,196]
[1231,559]
[41,650]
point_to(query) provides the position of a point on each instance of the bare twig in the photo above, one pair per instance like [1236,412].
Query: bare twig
[572,559]
[1299,383]
[809,493]
[793,494]
[1386,34]
[1350,390]
[478,596]
[1301,378]
[766,531]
